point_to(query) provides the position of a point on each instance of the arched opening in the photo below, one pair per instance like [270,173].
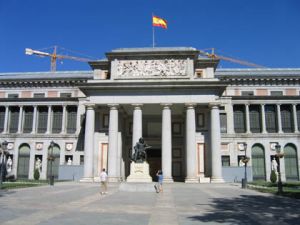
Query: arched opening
[258,162]
[52,167]
[290,162]
[23,161]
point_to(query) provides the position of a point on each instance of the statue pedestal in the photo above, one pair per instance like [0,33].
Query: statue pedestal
[139,173]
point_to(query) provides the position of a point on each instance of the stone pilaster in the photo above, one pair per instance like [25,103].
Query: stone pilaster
[49,120]
[263,118]
[34,119]
[20,122]
[63,128]
[279,124]
[296,128]
[137,127]
[248,130]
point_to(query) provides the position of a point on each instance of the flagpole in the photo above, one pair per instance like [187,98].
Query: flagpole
[153,36]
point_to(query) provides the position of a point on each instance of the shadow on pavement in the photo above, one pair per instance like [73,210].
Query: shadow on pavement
[250,209]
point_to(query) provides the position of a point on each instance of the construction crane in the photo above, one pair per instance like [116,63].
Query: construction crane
[242,62]
[54,56]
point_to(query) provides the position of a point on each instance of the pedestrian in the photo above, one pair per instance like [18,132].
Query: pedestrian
[103,179]
[159,187]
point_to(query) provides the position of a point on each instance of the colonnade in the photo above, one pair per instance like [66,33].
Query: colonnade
[166,142]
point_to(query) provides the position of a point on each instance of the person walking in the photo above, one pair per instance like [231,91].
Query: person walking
[160,177]
[103,179]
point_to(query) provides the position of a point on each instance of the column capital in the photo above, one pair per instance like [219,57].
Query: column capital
[113,106]
[190,105]
[166,105]
[214,105]
[90,106]
[137,106]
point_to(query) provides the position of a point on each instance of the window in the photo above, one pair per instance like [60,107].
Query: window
[239,118]
[28,119]
[298,116]
[105,120]
[65,95]
[2,118]
[271,118]
[42,119]
[225,160]
[13,95]
[57,113]
[223,122]
[13,119]
[71,119]
[39,95]
[81,159]
[276,93]
[247,93]
[200,120]
[255,121]
[286,118]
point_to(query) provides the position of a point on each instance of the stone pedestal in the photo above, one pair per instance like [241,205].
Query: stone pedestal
[139,173]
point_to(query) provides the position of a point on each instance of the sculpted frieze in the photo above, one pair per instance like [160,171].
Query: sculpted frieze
[150,68]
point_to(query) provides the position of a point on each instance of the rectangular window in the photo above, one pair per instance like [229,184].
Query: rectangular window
[105,120]
[42,119]
[65,95]
[298,116]
[2,118]
[225,160]
[13,95]
[57,113]
[239,118]
[39,95]
[247,93]
[255,118]
[223,122]
[28,119]
[287,118]
[71,119]
[13,119]
[276,93]
[271,118]
[200,120]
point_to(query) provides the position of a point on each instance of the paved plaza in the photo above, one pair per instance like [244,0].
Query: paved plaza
[184,204]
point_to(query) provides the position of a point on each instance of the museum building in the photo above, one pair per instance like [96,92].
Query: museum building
[199,120]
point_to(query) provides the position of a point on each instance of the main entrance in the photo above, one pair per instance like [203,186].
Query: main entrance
[154,160]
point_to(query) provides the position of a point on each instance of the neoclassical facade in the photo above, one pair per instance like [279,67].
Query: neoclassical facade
[194,116]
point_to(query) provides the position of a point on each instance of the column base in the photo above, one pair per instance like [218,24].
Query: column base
[113,179]
[168,180]
[87,180]
[191,180]
[217,180]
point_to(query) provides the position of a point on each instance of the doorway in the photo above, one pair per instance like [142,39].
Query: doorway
[154,160]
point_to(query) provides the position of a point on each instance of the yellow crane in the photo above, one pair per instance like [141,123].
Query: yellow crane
[54,56]
[229,59]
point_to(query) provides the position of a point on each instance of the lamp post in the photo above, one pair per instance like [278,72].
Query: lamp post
[279,155]
[51,159]
[245,160]
[3,151]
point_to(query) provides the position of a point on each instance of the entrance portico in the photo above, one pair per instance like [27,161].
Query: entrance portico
[161,109]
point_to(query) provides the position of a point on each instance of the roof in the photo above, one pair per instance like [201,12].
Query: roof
[265,72]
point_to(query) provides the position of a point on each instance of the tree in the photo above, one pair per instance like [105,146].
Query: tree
[36,174]
[273,176]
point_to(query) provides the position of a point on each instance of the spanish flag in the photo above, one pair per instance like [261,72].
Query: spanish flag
[159,22]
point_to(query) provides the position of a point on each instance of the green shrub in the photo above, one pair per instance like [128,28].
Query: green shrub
[273,176]
[36,174]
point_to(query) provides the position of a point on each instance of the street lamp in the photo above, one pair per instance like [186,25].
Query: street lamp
[51,159]
[278,155]
[3,151]
[245,160]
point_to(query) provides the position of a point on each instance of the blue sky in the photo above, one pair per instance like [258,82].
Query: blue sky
[265,32]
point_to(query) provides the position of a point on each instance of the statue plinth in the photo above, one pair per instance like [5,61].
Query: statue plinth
[139,173]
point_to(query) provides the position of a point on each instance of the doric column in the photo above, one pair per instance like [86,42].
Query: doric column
[49,120]
[63,127]
[263,118]
[215,143]
[20,120]
[190,123]
[167,143]
[279,124]
[248,130]
[137,126]
[113,143]
[296,128]
[230,120]
[34,119]
[89,143]
[6,119]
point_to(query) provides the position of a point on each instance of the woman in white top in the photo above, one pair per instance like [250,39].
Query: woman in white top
[103,179]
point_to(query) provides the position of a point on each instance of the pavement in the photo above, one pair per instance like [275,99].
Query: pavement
[185,204]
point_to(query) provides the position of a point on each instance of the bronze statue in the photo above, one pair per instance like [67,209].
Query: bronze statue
[140,154]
